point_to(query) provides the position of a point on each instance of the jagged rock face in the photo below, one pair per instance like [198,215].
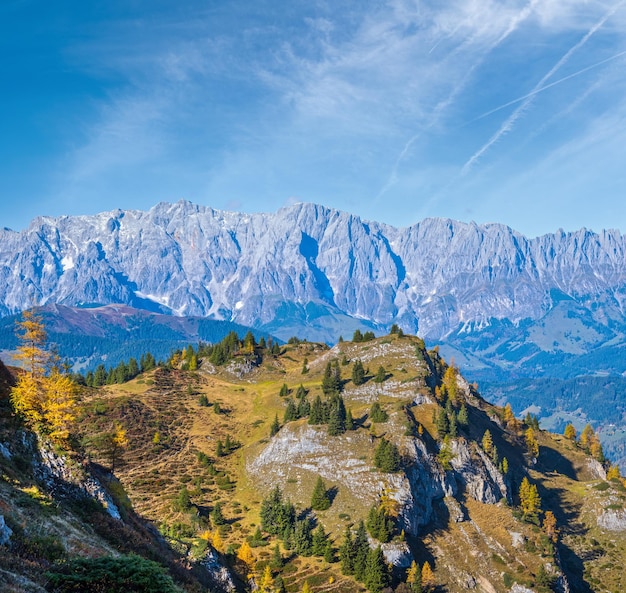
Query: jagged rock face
[255,269]
[5,532]
[613,520]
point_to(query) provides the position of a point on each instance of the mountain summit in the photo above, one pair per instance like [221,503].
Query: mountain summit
[317,272]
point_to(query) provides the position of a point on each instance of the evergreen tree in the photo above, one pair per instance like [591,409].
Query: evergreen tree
[377,414]
[357,336]
[319,541]
[277,559]
[304,407]
[358,373]
[275,426]
[291,412]
[462,417]
[380,524]
[336,416]
[349,420]
[284,390]
[361,550]
[453,427]
[303,537]
[329,552]
[217,516]
[347,553]
[300,392]
[387,457]
[381,375]
[377,575]
[305,368]
[320,501]
[442,424]
[317,413]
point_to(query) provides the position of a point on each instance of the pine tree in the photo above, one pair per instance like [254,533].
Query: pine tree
[316,416]
[361,550]
[377,414]
[300,392]
[349,420]
[336,416]
[320,501]
[357,336]
[358,373]
[377,575]
[462,417]
[219,448]
[303,537]
[277,559]
[217,516]
[347,553]
[442,423]
[320,538]
[284,390]
[387,457]
[381,375]
[329,552]
[275,426]
[291,412]
[304,407]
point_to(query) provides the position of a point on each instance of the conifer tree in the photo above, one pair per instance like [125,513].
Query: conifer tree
[361,550]
[277,559]
[377,575]
[462,417]
[217,516]
[347,553]
[300,392]
[329,552]
[530,502]
[266,584]
[414,578]
[316,416]
[319,541]
[487,442]
[245,554]
[377,414]
[303,537]
[349,420]
[532,444]
[570,432]
[387,456]
[284,390]
[320,501]
[358,373]
[336,416]
[291,412]
[381,375]
[428,577]
[442,423]
[304,407]
[549,526]
[275,426]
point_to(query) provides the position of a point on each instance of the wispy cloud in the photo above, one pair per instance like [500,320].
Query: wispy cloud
[510,122]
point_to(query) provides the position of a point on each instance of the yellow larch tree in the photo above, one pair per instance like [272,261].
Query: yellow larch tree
[44,394]
[529,499]
[267,582]
[532,444]
[549,526]
[245,554]
[428,577]
[570,432]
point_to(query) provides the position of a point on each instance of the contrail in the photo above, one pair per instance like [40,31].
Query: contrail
[546,87]
[441,106]
[507,126]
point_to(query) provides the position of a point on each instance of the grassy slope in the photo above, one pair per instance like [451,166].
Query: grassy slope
[166,402]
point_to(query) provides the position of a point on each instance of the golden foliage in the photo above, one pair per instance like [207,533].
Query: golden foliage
[532,444]
[245,554]
[428,577]
[549,526]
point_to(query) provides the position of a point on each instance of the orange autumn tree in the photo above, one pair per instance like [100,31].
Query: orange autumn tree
[44,394]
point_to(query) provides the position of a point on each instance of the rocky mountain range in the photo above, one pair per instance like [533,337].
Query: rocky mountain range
[318,272]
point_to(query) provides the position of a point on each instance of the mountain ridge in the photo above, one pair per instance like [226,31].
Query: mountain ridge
[439,277]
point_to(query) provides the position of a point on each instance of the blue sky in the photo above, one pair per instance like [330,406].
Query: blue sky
[509,111]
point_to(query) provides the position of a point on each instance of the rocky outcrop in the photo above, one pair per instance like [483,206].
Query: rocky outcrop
[5,532]
[68,478]
[218,572]
[613,520]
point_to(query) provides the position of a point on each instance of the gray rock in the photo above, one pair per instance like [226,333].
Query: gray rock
[517,588]
[4,451]
[219,573]
[613,520]
[5,532]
